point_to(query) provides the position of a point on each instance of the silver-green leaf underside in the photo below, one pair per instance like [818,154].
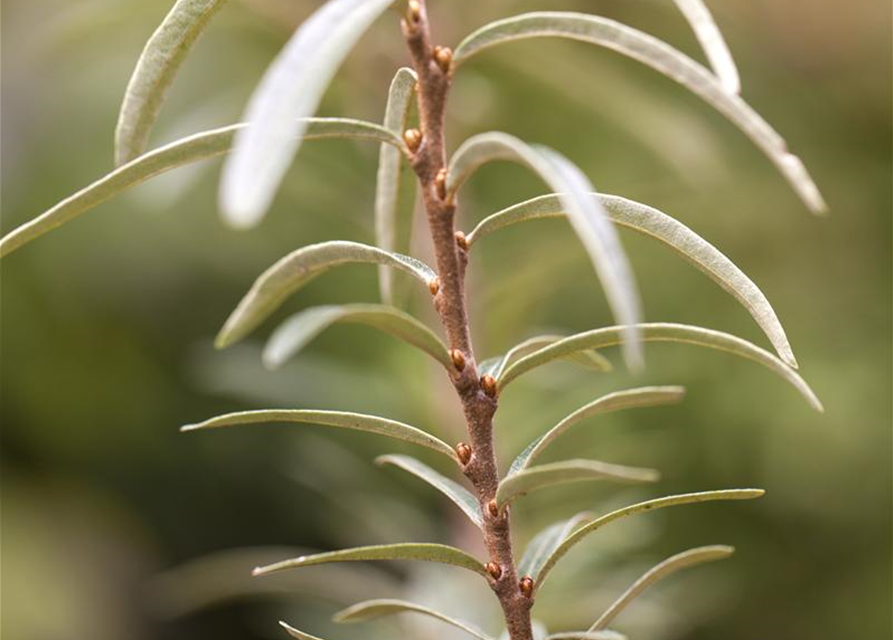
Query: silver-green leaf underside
[427,552]
[451,489]
[341,419]
[668,567]
[298,330]
[495,366]
[294,633]
[681,239]
[546,542]
[587,218]
[665,59]
[395,190]
[712,42]
[200,146]
[291,89]
[372,609]
[547,475]
[641,507]
[663,332]
[298,268]
[155,71]
[626,399]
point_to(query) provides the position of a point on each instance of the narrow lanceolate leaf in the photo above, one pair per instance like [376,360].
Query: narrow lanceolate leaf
[290,89]
[547,475]
[372,609]
[640,507]
[712,42]
[590,222]
[669,566]
[626,399]
[294,633]
[544,544]
[663,332]
[586,635]
[293,334]
[192,149]
[155,71]
[342,419]
[405,551]
[495,366]
[662,57]
[451,489]
[658,225]
[395,189]
[298,268]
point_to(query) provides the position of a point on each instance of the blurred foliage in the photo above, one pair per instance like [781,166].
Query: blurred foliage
[107,326]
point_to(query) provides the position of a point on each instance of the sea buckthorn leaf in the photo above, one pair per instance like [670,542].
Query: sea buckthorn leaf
[290,90]
[545,542]
[587,218]
[451,489]
[298,268]
[427,552]
[681,239]
[671,565]
[495,366]
[663,332]
[640,507]
[586,635]
[294,633]
[626,399]
[547,475]
[395,190]
[206,144]
[342,419]
[372,609]
[660,56]
[712,42]
[155,71]
[294,333]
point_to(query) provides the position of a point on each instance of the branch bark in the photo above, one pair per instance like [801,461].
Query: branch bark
[479,401]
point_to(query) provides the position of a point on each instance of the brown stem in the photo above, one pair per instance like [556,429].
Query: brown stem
[429,163]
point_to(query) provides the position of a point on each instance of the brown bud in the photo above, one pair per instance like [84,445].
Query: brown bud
[413,139]
[458,359]
[464,453]
[526,585]
[494,570]
[462,241]
[443,56]
[488,384]
[440,184]
[413,11]
[434,286]
[493,508]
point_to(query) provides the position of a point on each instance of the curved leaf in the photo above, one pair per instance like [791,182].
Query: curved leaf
[405,551]
[451,489]
[669,566]
[206,144]
[342,419]
[586,635]
[587,218]
[495,366]
[371,609]
[640,507]
[665,59]
[546,475]
[294,333]
[395,189]
[658,225]
[297,269]
[294,633]
[155,71]
[712,42]
[291,88]
[663,332]
[545,543]
[626,399]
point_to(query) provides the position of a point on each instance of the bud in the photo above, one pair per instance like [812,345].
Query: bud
[488,384]
[493,508]
[494,570]
[413,11]
[464,453]
[434,286]
[526,585]
[440,184]
[458,359]
[462,241]
[413,139]
[443,56]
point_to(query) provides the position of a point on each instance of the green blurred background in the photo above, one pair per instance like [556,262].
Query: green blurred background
[117,527]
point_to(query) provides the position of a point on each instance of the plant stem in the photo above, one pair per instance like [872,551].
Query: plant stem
[429,163]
